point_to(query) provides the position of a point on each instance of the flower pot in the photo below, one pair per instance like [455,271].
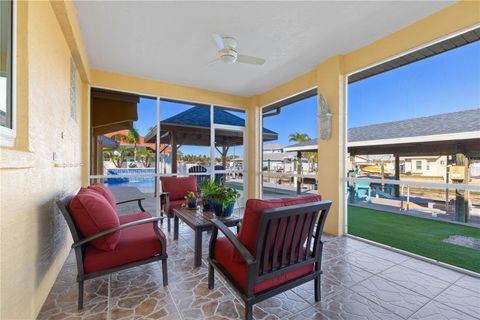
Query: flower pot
[192,203]
[228,210]
[207,204]
[220,211]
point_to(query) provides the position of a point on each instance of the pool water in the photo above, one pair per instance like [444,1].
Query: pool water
[144,184]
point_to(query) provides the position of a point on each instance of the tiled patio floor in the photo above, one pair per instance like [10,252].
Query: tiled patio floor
[360,281]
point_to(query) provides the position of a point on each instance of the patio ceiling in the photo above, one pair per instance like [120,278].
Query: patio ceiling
[171,41]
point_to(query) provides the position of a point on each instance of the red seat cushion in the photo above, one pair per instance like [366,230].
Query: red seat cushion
[178,187]
[93,214]
[135,244]
[106,192]
[224,252]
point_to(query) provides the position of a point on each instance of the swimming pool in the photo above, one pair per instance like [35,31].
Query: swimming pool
[145,184]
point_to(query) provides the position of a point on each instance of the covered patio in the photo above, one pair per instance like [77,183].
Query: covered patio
[360,280]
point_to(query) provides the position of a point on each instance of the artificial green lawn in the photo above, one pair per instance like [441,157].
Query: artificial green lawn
[417,235]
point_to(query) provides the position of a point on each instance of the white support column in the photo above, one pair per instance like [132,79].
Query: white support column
[212,143]
[157,163]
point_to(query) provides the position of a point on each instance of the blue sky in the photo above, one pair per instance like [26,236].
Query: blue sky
[443,83]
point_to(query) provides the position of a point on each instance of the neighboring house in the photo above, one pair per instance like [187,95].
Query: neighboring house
[429,166]
[277,160]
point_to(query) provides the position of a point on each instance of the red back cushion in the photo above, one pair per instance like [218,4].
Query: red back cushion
[253,214]
[106,193]
[178,187]
[296,201]
[92,214]
[301,200]
[251,222]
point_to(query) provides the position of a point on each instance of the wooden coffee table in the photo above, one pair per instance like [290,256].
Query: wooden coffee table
[199,221]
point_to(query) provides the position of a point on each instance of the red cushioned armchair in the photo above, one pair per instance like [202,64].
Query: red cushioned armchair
[174,191]
[141,241]
[285,251]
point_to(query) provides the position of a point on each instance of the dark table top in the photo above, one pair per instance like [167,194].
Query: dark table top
[197,218]
[126,194]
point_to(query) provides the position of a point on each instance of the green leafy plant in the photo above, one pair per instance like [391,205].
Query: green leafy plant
[190,195]
[191,200]
[223,199]
[207,187]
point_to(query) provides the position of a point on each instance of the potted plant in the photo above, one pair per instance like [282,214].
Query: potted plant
[191,200]
[207,188]
[223,199]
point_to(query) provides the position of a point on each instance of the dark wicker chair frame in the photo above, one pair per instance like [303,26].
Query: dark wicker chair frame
[80,243]
[262,264]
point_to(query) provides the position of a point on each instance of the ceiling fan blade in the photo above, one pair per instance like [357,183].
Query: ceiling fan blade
[250,60]
[218,41]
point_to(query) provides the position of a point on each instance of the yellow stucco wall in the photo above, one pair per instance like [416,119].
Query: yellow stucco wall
[34,239]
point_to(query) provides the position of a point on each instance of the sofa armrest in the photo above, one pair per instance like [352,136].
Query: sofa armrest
[219,225]
[121,227]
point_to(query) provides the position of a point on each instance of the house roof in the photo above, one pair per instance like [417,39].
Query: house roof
[278,156]
[271,146]
[453,122]
[108,142]
[460,125]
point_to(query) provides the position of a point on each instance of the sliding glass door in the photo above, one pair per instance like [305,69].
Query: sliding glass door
[135,140]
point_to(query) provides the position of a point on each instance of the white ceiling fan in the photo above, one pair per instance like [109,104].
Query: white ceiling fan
[227,49]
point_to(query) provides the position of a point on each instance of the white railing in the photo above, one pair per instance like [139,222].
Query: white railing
[422,184]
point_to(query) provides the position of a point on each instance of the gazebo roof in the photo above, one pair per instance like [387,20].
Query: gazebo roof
[193,123]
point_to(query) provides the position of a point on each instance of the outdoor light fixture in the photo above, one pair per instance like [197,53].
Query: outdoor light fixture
[325,119]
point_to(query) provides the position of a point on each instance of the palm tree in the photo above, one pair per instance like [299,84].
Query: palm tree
[132,137]
[301,137]
[118,157]
[298,137]
[146,157]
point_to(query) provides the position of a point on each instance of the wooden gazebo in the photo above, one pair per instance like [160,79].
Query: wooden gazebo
[192,128]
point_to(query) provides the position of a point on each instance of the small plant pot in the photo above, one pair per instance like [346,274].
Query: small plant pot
[220,211]
[229,209]
[192,203]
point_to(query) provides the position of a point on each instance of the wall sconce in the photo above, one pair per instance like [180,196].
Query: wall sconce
[325,119]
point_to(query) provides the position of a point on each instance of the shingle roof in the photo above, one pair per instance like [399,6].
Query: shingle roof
[271,146]
[453,122]
[200,117]
[445,123]
[278,156]
[108,142]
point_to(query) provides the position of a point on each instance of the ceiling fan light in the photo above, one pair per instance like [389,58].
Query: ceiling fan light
[228,58]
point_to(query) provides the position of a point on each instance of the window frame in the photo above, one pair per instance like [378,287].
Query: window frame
[8,135]
[418,165]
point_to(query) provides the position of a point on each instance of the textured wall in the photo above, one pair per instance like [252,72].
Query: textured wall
[34,238]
